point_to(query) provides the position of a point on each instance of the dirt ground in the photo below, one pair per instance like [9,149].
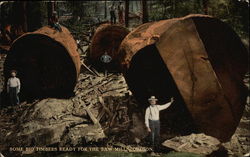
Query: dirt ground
[238,146]
[113,86]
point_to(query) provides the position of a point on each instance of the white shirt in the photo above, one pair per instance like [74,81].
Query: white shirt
[120,7]
[14,82]
[153,112]
[112,8]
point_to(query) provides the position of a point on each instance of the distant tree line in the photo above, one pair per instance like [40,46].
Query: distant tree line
[31,15]
[233,12]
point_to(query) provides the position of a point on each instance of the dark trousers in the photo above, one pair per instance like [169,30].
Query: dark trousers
[154,125]
[121,20]
[112,17]
[14,100]
[58,27]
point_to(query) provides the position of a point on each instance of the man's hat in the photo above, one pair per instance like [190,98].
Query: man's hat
[13,71]
[152,98]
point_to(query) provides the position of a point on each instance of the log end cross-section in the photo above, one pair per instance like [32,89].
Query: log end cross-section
[47,63]
[197,57]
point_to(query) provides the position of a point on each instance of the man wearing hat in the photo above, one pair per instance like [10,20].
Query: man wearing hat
[112,9]
[152,119]
[13,88]
[120,12]
[54,23]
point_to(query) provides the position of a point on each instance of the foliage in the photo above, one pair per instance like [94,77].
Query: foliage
[78,8]
[233,12]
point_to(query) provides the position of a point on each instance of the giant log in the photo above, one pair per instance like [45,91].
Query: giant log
[107,39]
[47,63]
[198,59]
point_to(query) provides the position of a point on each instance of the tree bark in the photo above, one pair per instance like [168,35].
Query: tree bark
[126,13]
[174,8]
[205,6]
[50,9]
[19,18]
[198,58]
[144,11]
[113,35]
[105,9]
[41,72]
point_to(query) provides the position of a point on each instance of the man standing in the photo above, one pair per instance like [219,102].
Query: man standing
[152,120]
[54,23]
[13,88]
[112,14]
[120,13]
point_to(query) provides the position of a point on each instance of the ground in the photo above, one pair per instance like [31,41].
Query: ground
[110,99]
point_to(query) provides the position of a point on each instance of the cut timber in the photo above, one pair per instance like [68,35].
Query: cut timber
[107,38]
[47,62]
[197,56]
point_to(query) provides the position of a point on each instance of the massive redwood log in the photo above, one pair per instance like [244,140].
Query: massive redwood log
[107,38]
[199,59]
[47,62]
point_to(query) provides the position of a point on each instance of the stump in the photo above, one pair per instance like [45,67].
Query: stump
[47,63]
[198,59]
[107,38]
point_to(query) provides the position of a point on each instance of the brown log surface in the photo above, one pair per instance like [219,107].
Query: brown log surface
[47,62]
[107,38]
[207,61]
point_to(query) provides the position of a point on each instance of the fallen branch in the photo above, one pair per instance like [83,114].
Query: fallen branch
[88,68]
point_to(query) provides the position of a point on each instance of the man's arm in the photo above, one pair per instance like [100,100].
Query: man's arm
[165,106]
[18,85]
[147,119]
[8,86]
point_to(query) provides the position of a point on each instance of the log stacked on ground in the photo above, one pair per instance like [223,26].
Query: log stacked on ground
[47,62]
[197,57]
[107,38]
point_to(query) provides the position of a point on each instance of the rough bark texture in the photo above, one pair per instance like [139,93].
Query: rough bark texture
[205,58]
[144,11]
[50,10]
[107,38]
[19,18]
[126,13]
[47,62]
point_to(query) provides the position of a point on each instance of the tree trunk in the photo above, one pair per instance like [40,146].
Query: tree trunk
[24,15]
[126,13]
[205,6]
[144,11]
[34,15]
[174,8]
[55,7]
[105,9]
[50,10]
[150,7]
[19,18]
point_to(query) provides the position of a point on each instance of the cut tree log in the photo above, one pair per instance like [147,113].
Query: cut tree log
[107,38]
[197,58]
[47,63]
